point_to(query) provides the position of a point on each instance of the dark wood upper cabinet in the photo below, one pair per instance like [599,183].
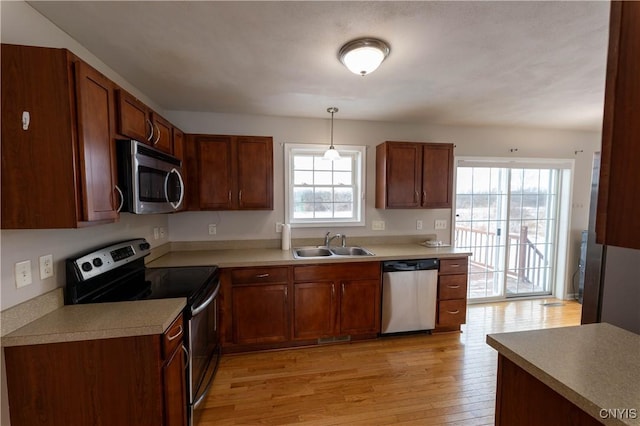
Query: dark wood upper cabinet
[618,208]
[137,121]
[411,175]
[230,172]
[59,171]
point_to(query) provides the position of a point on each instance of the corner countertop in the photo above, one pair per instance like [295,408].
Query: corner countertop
[595,366]
[233,258]
[98,321]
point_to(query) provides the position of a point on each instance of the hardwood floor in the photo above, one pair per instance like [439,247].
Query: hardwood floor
[420,379]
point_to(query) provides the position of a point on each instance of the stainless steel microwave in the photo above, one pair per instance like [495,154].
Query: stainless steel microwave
[151,180]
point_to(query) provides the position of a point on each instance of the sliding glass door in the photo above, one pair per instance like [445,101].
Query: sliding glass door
[507,217]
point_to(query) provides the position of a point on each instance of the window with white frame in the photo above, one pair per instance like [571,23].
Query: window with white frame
[322,192]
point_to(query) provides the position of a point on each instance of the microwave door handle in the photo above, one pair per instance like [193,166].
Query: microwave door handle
[166,188]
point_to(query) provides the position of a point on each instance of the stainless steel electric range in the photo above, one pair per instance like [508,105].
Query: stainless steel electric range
[117,273]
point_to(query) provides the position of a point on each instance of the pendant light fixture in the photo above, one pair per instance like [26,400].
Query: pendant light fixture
[332,153]
[364,55]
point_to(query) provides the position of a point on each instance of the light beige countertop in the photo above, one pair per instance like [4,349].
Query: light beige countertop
[231,258]
[595,366]
[98,321]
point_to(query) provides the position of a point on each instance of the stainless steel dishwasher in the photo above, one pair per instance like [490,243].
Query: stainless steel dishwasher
[409,295]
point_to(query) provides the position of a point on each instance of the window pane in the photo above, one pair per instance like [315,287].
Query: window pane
[342,178]
[302,177]
[344,163]
[343,195]
[343,210]
[323,195]
[322,164]
[303,162]
[322,178]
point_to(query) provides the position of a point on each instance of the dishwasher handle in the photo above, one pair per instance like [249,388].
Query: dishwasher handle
[410,265]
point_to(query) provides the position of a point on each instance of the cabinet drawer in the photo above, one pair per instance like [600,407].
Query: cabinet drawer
[452,287]
[259,275]
[173,337]
[337,271]
[454,266]
[452,312]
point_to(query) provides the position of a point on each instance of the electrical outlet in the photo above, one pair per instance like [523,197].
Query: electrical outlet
[377,225]
[212,229]
[46,266]
[418,225]
[278,227]
[23,273]
[156,233]
[441,224]
[162,232]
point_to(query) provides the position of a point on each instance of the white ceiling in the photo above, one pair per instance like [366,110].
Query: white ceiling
[534,64]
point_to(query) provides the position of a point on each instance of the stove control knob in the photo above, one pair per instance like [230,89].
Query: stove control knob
[97,262]
[86,266]
[145,246]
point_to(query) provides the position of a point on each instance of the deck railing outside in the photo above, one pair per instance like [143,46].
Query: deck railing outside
[526,262]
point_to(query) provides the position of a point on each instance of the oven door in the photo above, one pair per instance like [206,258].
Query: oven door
[204,349]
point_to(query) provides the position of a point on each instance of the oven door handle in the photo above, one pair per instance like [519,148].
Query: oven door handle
[196,310]
[187,358]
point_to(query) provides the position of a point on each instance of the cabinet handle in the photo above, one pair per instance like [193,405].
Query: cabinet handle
[286,294]
[457,311]
[333,291]
[178,334]
[262,275]
[342,285]
[424,196]
[240,196]
[454,265]
[453,286]
[157,137]
[150,130]
[415,196]
[229,195]
[117,188]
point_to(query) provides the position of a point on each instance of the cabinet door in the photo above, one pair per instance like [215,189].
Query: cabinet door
[618,208]
[163,136]
[39,81]
[178,146]
[133,117]
[260,313]
[255,172]
[403,175]
[96,110]
[175,393]
[314,309]
[215,172]
[437,175]
[360,307]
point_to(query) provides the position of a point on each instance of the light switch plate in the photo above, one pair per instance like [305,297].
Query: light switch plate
[441,224]
[23,273]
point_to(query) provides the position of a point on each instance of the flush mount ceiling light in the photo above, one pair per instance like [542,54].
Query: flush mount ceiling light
[332,153]
[364,55]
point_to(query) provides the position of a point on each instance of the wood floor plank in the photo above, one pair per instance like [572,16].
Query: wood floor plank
[445,379]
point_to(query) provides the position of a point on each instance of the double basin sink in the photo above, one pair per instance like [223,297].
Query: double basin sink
[324,252]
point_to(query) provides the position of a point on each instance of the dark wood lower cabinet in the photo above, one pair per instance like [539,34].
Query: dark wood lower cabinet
[523,400]
[336,300]
[119,381]
[286,306]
